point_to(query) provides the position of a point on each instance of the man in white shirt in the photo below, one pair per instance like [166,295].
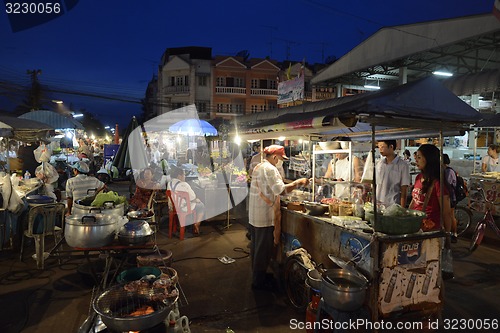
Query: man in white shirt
[392,175]
[78,186]
[264,211]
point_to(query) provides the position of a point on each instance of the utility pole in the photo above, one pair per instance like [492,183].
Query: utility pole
[36,89]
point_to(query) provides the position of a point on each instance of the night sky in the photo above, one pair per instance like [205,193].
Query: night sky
[112,48]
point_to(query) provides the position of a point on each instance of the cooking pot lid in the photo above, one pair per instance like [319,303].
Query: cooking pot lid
[134,225]
[347,265]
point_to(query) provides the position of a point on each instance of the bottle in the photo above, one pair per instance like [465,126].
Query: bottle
[390,287]
[427,281]
[27,175]
[359,209]
[411,285]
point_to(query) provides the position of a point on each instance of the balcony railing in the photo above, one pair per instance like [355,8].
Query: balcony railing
[177,90]
[264,92]
[230,90]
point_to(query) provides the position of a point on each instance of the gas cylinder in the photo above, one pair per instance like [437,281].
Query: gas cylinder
[312,312]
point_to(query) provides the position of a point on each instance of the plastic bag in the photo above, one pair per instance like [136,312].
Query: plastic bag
[11,200]
[101,198]
[42,153]
[47,173]
[367,176]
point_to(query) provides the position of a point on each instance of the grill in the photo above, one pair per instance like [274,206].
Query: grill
[136,306]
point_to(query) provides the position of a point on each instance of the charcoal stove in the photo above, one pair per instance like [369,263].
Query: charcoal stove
[135,306]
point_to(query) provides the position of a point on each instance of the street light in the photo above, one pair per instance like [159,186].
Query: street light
[77,115]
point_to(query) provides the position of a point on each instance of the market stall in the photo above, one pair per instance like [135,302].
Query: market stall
[402,267]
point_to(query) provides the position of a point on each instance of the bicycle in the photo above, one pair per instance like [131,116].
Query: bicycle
[487,220]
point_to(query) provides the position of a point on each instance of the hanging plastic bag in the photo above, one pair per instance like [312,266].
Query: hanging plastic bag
[367,176]
[47,173]
[42,153]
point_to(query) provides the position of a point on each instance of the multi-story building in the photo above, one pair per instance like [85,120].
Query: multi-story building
[243,87]
[184,78]
[222,86]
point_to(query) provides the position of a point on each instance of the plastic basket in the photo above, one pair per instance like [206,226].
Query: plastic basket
[397,225]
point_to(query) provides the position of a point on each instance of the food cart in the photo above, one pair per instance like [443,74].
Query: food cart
[403,270]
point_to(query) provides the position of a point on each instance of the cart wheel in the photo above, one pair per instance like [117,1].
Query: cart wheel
[463,216]
[295,275]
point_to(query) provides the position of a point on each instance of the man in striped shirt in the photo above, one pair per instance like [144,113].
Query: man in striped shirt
[78,186]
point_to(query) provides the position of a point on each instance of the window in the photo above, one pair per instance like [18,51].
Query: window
[220,107]
[179,81]
[221,82]
[201,106]
[186,80]
[254,108]
[229,108]
[171,80]
[272,84]
[262,108]
[202,81]
[239,108]
[239,82]
[255,83]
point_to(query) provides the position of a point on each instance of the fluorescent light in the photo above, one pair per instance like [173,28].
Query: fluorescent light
[440,73]
[106,127]
[281,138]
[57,101]
[367,86]
[78,115]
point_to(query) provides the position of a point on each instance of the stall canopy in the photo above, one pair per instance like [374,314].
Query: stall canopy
[492,120]
[24,129]
[54,119]
[424,104]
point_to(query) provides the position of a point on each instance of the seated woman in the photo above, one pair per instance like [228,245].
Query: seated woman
[145,186]
[178,183]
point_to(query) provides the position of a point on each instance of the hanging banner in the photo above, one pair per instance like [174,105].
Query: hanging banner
[291,90]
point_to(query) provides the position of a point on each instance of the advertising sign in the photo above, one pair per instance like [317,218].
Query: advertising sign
[291,90]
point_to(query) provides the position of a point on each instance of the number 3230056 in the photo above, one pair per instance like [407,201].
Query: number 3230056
[32,8]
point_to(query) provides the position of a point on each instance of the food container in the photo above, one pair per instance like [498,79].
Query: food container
[333,208]
[397,225]
[315,209]
[297,206]
[345,208]
[90,231]
[135,232]
[137,273]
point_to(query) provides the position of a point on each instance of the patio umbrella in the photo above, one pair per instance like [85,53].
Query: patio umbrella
[122,158]
[193,127]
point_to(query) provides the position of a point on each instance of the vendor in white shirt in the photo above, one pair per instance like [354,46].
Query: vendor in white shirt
[490,161]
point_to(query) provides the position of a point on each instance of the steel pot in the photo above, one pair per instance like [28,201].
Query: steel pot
[135,232]
[90,231]
[343,290]
[109,208]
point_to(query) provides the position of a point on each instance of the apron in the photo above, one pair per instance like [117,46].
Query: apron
[276,210]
